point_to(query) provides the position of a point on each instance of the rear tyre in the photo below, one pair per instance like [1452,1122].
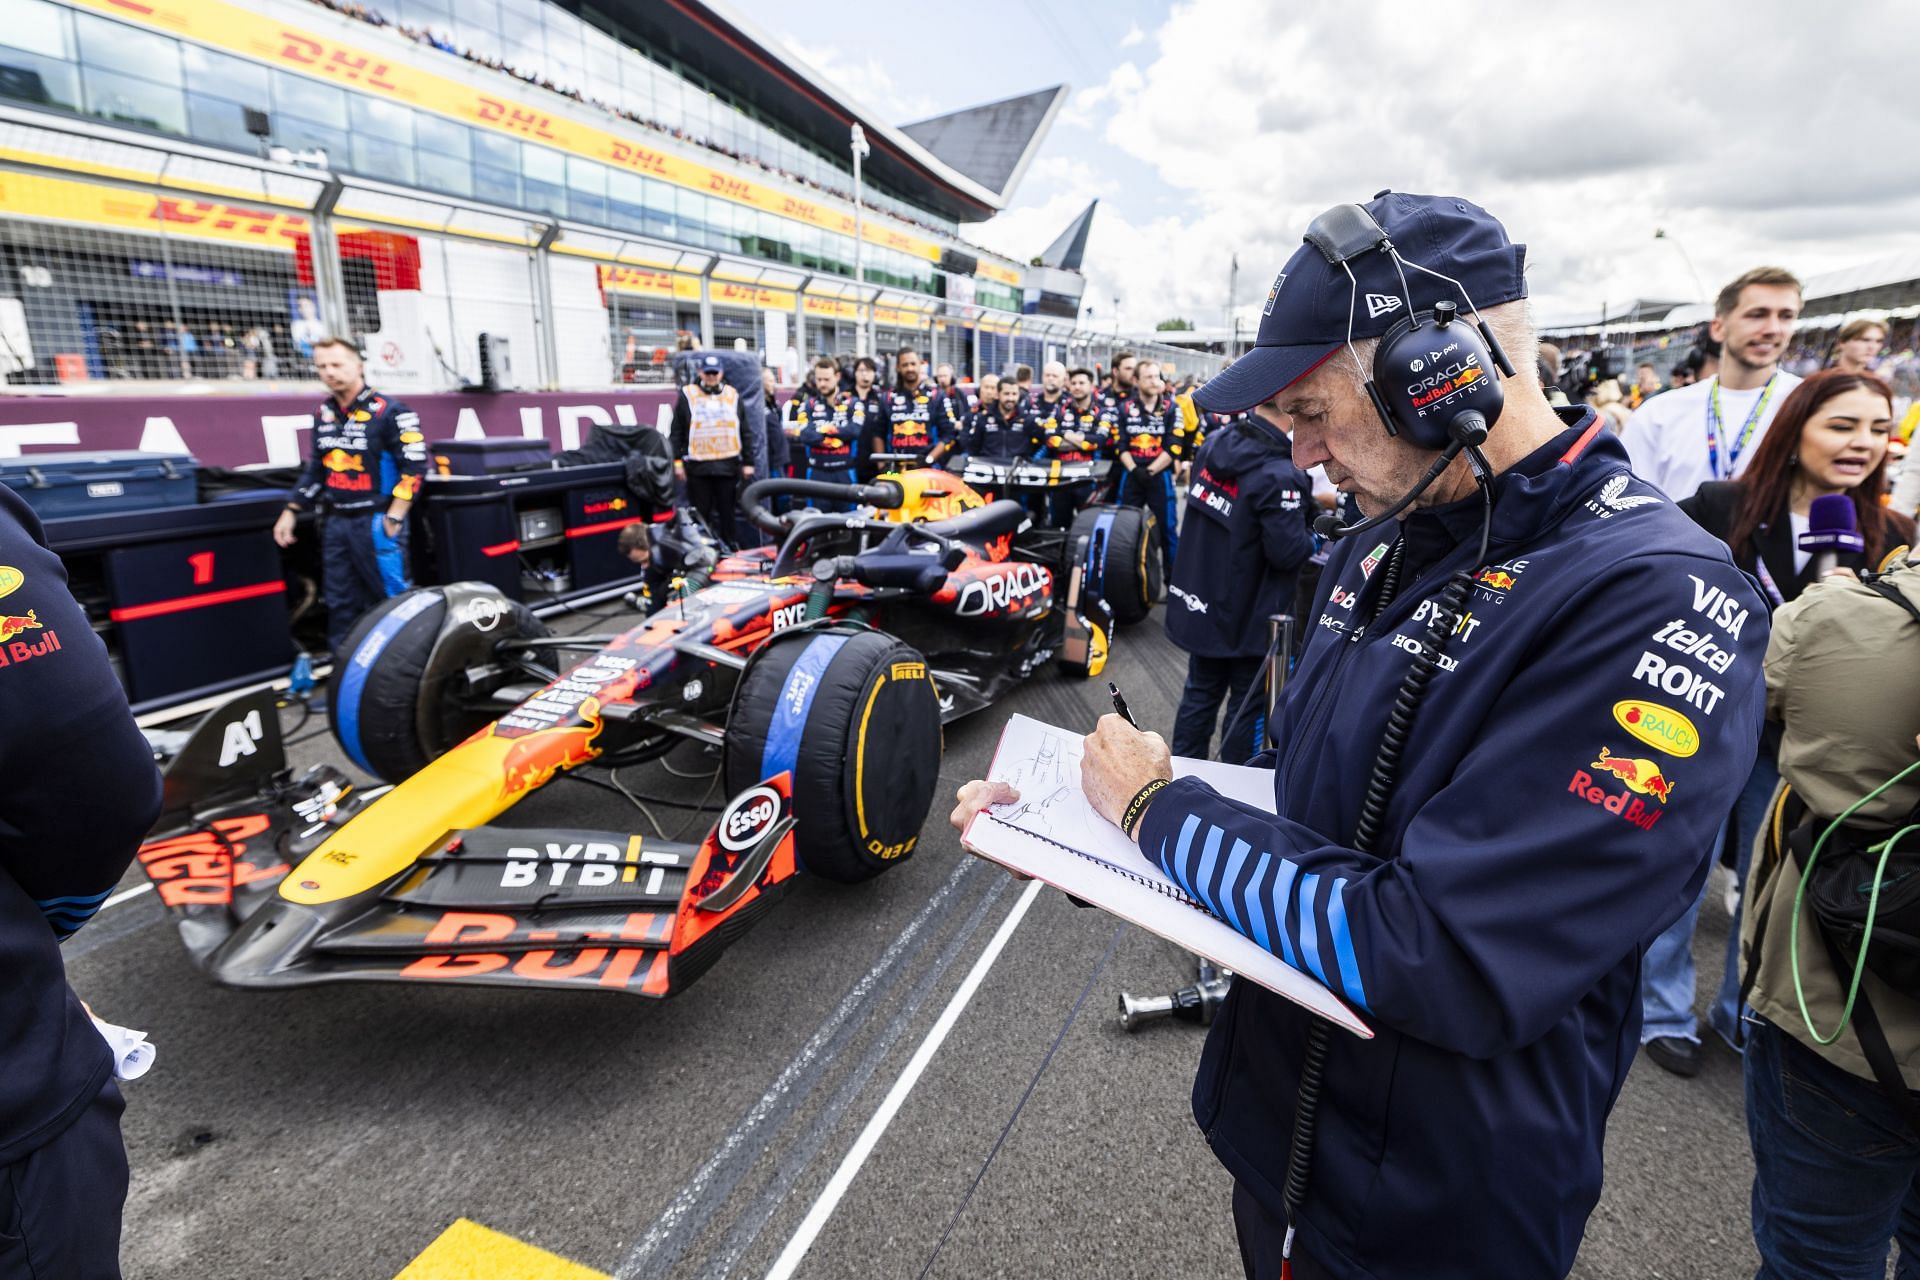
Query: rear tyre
[1126,543]
[853,714]
[389,702]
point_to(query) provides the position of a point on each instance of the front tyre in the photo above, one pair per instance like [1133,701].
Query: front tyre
[853,714]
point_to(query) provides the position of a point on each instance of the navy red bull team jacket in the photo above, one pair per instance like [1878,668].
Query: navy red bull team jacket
[364,455]
[1247,531]
[1557,802]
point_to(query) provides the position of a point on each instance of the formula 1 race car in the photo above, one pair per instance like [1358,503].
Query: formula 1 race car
[822,667]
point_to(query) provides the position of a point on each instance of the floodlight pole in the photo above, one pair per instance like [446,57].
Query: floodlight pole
[865,323]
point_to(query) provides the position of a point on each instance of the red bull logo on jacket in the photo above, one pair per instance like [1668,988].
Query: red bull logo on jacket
[12,624]
[1641,778]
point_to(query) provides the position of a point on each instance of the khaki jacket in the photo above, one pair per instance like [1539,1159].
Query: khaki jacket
[1843,676]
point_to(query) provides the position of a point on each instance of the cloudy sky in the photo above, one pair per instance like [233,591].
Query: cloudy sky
[1753,132]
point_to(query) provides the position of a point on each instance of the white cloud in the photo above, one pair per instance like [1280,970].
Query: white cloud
[865,77]
[1747,143]
[1133,37]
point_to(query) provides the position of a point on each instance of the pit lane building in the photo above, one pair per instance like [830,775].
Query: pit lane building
[486,192]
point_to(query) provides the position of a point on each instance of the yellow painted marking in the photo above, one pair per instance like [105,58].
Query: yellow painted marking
[860,760]
[633,856]
[468,1251]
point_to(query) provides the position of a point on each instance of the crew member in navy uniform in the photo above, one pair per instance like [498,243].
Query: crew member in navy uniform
[827,439]
[1001,431]
[1479,823]
[1249,529]
[706,437]
[865,410]
[80,791]
[1052,392]
[1146,433]
[1075,431]
[369,457]
[920,419]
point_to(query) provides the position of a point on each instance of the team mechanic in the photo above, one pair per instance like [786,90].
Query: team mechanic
[80,791]
[1148,443]
[367,451]
[1589,715]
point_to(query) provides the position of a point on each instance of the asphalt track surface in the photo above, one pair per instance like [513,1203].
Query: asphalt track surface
[336,1131]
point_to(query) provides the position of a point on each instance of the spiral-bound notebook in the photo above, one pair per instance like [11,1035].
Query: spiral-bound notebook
[1054,835]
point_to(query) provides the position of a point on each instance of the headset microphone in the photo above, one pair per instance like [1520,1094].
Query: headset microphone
[1435,378]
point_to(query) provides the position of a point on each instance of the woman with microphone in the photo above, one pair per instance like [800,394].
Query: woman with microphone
[1829,438]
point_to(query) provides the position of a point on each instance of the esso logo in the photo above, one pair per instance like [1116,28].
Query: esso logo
[748,819]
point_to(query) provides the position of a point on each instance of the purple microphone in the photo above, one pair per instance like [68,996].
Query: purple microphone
[1832,531]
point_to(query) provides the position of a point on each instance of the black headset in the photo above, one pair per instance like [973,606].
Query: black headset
[1437,371]
[1435,377]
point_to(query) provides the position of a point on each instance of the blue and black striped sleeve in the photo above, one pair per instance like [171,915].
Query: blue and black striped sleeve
[1532,870]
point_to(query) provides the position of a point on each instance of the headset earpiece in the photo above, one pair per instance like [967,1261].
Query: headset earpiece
[1434,379]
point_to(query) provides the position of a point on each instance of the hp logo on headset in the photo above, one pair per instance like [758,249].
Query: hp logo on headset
[1417,365]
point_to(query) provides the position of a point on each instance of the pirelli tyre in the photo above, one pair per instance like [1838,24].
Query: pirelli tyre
[853,714]
[390,702]
[1124,542]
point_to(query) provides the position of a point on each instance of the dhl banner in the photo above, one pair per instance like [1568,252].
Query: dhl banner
[998,274]
[27,195]
[264,38]
[669,284]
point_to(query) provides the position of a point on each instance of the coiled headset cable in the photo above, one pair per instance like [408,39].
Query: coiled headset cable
[1373,809]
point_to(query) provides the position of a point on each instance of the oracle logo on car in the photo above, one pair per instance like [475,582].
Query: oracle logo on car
[1018,583]
[748,818]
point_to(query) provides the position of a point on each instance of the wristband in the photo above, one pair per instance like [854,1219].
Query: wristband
[1137,807]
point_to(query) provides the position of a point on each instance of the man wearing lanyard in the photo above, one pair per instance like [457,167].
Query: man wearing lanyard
[1679,441]
[1707,431]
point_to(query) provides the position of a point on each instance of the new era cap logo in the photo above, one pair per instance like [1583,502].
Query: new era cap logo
[1273,294]
[1381,304]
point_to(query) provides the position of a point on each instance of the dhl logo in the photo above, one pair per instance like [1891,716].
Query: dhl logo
[721,184]
[639,159]
[800,209]
[344,64]
[205,215]
[1643,777]
[341,460]
[12,625]
[533,758]
[507,116]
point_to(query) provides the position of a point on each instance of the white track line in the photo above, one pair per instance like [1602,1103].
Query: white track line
[796,1250]
[124,894]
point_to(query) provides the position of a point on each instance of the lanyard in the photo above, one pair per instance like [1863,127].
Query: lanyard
[1766,580]
[1746,431]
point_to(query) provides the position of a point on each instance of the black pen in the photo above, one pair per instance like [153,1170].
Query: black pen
[1120,705]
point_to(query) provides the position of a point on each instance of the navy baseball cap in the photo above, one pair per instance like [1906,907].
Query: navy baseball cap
[1304,321]
[710,364]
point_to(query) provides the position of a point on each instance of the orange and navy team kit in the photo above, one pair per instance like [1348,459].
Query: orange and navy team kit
[366,454]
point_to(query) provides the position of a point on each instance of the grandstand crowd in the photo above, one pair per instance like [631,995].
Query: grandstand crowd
[431,39]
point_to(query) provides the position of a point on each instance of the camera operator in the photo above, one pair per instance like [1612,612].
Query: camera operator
[1834,1125]
[1249,528]
[1468,843]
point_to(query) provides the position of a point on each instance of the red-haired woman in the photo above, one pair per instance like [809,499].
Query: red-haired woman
[1830,437]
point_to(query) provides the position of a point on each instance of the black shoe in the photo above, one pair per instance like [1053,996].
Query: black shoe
[1675,1054]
